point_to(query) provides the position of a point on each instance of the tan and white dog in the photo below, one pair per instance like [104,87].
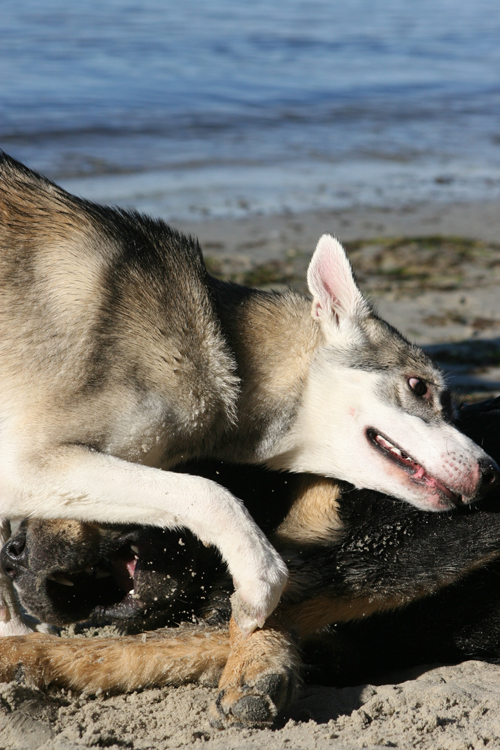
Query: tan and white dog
[121,357]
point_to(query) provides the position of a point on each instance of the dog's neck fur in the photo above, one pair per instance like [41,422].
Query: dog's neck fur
[273,338]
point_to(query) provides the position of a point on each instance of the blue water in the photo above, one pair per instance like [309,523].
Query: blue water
[228,107]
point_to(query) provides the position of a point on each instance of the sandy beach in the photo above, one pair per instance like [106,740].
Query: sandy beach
[434,272]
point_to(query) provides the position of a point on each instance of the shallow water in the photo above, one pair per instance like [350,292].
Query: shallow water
[226,107]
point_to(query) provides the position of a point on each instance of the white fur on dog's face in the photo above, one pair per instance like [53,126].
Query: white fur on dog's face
[340,409]
[360,420]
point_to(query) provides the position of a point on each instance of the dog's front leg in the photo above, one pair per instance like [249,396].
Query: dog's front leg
[11,621]
[75,482]
[166,657]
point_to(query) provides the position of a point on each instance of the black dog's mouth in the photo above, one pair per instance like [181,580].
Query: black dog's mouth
[121,569]
[109,583]
[142,571]
[416,471]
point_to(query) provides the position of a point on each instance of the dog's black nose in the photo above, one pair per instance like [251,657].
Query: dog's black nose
[13,554]
[490,476]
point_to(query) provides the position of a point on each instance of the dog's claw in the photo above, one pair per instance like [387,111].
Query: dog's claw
[249,711]
[244,616]
[254,602]
[254,709]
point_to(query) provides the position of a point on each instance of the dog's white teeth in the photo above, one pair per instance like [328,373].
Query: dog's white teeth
[393,449]
[102,573]
[61,579]
[385,443]
[134,549]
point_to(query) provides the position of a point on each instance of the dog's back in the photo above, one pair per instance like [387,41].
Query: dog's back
[106,319]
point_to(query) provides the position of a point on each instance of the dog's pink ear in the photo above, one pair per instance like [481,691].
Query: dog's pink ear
[332,284]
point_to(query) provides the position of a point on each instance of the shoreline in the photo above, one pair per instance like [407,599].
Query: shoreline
[276,233]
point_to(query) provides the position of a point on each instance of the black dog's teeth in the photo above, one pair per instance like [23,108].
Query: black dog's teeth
[60,578]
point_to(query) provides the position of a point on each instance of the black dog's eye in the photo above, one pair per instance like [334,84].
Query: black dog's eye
[418,386]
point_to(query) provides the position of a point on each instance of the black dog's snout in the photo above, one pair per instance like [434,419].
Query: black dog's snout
[490,475]
[13,554]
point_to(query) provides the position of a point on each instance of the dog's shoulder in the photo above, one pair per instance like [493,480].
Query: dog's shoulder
[107,310]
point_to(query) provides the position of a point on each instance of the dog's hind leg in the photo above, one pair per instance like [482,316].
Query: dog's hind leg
[11,621]
[190,653]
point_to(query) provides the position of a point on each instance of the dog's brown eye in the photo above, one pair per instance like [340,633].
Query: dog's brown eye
[418,386]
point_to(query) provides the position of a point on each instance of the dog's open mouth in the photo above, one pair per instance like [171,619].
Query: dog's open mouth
[121,570]
[142,572]
[417,473]
[110,583]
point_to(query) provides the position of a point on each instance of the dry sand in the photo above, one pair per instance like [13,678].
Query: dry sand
[445,708]
[435,274]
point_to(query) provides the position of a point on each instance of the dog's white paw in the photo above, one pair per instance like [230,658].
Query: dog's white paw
[255,599]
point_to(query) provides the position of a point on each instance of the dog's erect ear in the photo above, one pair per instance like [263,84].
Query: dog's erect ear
[331,283]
